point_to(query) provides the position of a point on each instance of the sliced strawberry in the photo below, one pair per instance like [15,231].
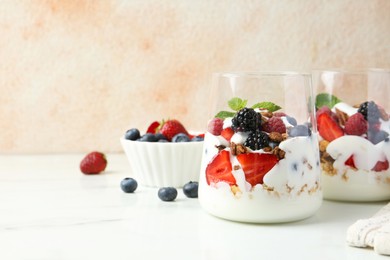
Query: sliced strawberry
[256,165]
[152,129]
[328,128]
[220,169]
[381,166]
[350,162]
[227,133]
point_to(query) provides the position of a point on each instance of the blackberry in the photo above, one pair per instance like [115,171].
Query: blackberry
[370,111]
[257,140]
[247,119]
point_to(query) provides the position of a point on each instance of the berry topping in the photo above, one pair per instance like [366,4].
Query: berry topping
[167,193]
[350,162]
[190,189]
[215,126]
[274,124]
[227,133]
[377,136]
[148,137]
[328,128]
[257,140]
[370,111]
[356,125]
[279,114]
[132,134]
[299,130]
[172,127]
[129,185]
[247,119]
[291,120]
[256,165]
[152,129]
[324,109]
[93,163]
[381,166]
[220,169]
[179,138]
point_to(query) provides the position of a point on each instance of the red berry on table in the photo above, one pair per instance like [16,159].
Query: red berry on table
[274,124]
[356,125]
[215,126]
[328,128]
[256,166]
[220,169]
[172,127]
[93,163]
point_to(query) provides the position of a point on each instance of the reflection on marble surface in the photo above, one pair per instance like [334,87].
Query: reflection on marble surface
[49,210]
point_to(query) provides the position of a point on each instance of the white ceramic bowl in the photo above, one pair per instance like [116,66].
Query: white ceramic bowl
[163,164]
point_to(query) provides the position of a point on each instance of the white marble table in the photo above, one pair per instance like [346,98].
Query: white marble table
[49,210]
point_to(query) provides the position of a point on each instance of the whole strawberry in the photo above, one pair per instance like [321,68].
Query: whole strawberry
[93,163]
[172,127]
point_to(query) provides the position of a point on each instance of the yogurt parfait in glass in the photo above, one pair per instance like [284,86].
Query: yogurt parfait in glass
[260,159]
[353,124]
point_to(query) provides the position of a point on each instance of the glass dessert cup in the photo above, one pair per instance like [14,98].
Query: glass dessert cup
[353,126]
[260,162]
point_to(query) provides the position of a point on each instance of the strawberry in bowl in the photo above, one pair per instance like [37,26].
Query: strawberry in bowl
[167,154]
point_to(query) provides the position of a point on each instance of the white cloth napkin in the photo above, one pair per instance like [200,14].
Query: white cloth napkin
[372,232]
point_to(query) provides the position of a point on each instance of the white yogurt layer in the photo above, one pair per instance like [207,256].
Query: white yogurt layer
[291,189]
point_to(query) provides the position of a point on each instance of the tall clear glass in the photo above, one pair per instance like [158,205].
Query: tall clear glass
[353,123]
[260,161]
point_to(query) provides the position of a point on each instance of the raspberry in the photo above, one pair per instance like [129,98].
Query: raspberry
[370,111]
[257,140]
[215,126]
[356,125]
[279,114]
[247,119]
[274,124]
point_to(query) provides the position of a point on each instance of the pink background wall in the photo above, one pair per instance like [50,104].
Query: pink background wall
[76,74]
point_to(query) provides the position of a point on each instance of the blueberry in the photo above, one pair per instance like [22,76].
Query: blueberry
[180,138]
[190,189]
[299,130]
[148,137]
[291,120]
[377,136]
[167,193]
[197,139]
[160,136]
[129,185]
[132,134]
[163,141]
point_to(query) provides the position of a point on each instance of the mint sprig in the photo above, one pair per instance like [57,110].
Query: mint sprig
[237,104]
[325,99]
[225,114]
[267,105]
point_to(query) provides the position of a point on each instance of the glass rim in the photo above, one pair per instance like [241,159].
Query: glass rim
[353,71]
[258,74]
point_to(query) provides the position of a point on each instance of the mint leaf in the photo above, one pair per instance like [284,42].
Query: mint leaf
[225,114]
[325,99]
[267,105]
[237,103]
